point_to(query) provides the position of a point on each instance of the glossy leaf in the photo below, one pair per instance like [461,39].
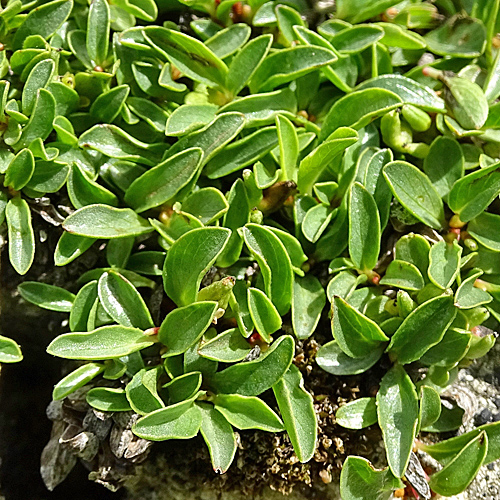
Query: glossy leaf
[98,28]
[247,412]
[357,109]
[21,236]
[308,301]
[183,387]
[472,194]
[106,342]
[459,473]
[188,118]
[171,175]
[108,399]
[103,221]
[288,64]
[39,78]
[444,263]
[123,302]
[179,421]
[485,228]
[414,190]
[468,296]
[142,391]
[423,328]
[274,264]
[364,228]
[69,247]
[20,170]
[397,406]
[264,315]
[255,377]
[189,258]
[360,480]
[357,414]
[82,306]
[76,379]
[229,346]
[47,296]
[430,406]
[356,334]
[414,249]
[296,408]
[10,352]
[184,326]
[206,204]
[403,275]
[332,359]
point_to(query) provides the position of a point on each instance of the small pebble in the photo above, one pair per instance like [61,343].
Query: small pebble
[483,417]
[497,402]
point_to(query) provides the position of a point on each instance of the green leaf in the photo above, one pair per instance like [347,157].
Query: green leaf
[142,391]
[184,326]
[296,408]
[20,170]
[69,247]
[246,62]
[39,78]
[430,406]
[397,36]
[293,248]
[163,182]
[445,451]
[239,306]
[414,249]
[423,328]
[146,10]
[403,275]
[472,194]
[414,190]
[467,102]
[286,65]
[46,296]
[358,109]
[289,147]
[460,36]
[264,315]
[355,334]
[364,228]
[21,235]
[207,204]
[311,167]
[183,387]
[332,359]
[40,124]
[449,351]
[468,296]
[83,191]
[98,28]
[188,118]
[254,377]
[106,108]
[237,216]
[112,141]
[274,263]
[357,38]
[10,352]
[189,258]
[76,379]
[229,40]
[450,419]
[123,302]
[357,414]
[219,437]
[308,301]
[247,412]
[287,17]
[341,285]
[242,153]
[397,406]
[459,473]
[485,228]
[444,164]
[82,306]
[356,11]
[179,421]
[229,346]
[359,480]
[107,399]
[106,342]
[103,221]
[444,263]
[188,55]
[45,20]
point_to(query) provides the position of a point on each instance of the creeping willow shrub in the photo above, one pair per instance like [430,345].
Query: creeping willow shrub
[263,144]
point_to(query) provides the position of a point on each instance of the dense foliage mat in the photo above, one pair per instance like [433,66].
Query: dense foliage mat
[256,163]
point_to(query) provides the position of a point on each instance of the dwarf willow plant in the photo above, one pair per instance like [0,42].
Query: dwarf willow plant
[263,150]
